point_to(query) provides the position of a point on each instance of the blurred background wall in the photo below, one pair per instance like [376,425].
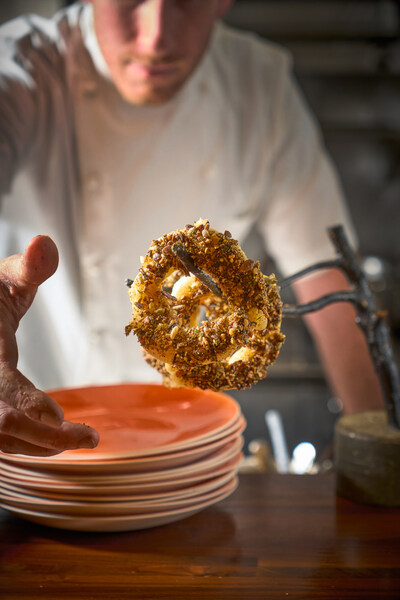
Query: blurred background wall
[13,8]
[347,61]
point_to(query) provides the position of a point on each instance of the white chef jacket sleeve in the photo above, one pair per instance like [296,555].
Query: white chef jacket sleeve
[303,195]
[18,105]
[31,65]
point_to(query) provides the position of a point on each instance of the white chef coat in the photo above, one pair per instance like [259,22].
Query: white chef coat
[103,178]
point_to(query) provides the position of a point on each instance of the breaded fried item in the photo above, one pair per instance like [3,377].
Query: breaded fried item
[218,328]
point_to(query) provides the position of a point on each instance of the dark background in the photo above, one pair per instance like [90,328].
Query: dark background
[347,61]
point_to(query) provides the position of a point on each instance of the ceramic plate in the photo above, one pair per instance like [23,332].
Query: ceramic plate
[121,466]
[199,469]
[107,509]
[186,486]
[136,420]
[122,523]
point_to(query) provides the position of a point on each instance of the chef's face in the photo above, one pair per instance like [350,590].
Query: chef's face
[151,47]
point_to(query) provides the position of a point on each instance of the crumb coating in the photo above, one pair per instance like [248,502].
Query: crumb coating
[240,337]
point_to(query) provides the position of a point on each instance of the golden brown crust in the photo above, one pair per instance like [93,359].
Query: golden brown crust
[241,336]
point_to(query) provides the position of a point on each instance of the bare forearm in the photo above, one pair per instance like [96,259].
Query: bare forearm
[341,344]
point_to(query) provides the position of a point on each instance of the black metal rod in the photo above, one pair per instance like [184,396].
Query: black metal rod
[373,325]
[369,319]
[314,305]
[325,264]
[186,260]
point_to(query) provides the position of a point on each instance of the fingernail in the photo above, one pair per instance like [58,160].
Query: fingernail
[47,418]
[87,442]
[50,419]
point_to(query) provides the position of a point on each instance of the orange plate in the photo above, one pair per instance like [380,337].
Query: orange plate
[144,419]
[120,523]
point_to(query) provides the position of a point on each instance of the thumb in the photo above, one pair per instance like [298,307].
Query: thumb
[21,274]
[39,261]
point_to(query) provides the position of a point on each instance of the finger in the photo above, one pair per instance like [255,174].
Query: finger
[40,260]
[35,265]
[20,276]
[11,445]
[19,393]
[69,436]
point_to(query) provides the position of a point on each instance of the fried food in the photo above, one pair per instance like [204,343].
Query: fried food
[218,333]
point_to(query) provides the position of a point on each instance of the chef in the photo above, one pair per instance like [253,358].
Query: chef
[122,120]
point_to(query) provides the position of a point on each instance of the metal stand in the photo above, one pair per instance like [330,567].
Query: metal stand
[371,321]
[367,445]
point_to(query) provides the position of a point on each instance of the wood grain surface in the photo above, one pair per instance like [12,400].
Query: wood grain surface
[277,536]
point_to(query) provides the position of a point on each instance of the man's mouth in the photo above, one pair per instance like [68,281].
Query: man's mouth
[151,70]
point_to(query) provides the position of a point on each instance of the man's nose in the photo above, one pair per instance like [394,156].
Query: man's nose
[155,25]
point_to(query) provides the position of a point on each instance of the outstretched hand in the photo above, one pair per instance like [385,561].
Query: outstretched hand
[30,421]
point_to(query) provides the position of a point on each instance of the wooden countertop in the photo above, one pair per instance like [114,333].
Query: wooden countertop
[277,536]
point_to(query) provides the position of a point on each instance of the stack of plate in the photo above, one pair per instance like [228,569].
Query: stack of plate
[163,455]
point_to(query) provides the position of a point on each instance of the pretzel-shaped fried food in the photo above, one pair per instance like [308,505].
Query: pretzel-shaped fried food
[240,334]
[244,368]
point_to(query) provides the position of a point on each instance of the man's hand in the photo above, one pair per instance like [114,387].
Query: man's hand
[30,421]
